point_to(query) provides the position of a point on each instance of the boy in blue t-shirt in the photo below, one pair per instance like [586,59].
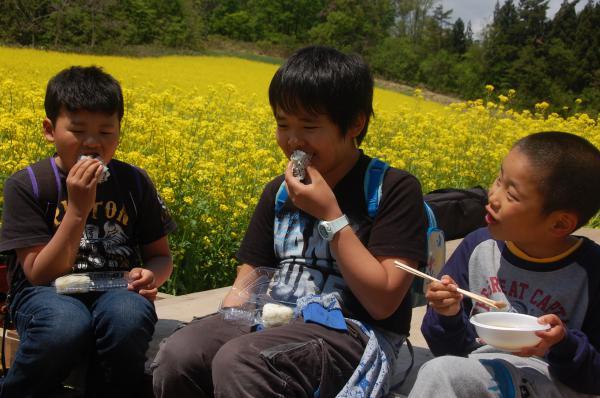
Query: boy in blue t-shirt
[61,216]
[548,186]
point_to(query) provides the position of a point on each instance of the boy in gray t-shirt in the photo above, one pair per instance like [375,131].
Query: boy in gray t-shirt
[548,186]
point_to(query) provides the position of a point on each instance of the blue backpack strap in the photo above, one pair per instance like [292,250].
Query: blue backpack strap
[430,216]
[373,184]
[281,197]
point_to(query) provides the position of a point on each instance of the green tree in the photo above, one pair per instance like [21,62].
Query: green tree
[354,25]
[458,38]
[395,58]
[501,44]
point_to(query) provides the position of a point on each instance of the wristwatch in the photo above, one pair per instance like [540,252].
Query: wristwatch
[328,229]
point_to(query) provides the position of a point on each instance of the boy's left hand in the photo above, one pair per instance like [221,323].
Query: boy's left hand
[142,281]
[554,335]
[315,197]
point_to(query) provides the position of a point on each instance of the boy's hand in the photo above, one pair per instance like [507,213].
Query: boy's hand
[142,281]
[81,186]
[554,335]
[443,297]
[316,197]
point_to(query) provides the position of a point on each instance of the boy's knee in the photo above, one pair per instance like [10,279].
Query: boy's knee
[447,367]
[231,358]
[132,313]
[64,327]
[178,359]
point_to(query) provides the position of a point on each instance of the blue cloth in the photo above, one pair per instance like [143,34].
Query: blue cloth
[331,318]
[373,376]
[110,331]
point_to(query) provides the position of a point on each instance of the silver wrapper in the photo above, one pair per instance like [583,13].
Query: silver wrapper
[300,160]
[105,172]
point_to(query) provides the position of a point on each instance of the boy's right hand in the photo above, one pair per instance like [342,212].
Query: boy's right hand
[81,186]
[443,297]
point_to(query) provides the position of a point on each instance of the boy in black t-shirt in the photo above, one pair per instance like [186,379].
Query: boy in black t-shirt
[329,253]
[61,217]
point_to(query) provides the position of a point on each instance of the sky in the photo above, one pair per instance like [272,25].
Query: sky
[480,12]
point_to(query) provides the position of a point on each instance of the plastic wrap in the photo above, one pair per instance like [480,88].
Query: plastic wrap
[250,302]
[105,171]
[91,282]
[299,160]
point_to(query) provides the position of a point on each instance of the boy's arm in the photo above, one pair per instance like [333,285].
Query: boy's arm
[233,298]
[575,360]
[157,258]
[158,266]
[376,282]
[44,263]
[452,334]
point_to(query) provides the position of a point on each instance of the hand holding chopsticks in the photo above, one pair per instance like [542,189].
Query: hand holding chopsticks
[492,303]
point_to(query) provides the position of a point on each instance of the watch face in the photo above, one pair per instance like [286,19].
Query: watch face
[324,230]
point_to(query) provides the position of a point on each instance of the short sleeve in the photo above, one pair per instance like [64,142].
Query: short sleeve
[24,221]
[257,246]
[154,220]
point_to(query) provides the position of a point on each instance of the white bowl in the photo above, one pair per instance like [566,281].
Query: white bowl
[508,331]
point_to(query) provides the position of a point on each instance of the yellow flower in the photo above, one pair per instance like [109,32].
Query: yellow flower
[489,88]
[168,195]
[578,101]
[188,200]
[503,98]
[542,106]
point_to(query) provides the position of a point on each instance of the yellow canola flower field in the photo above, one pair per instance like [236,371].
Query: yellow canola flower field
[202,128]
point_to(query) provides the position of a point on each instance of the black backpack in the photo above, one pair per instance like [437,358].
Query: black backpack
[458,211]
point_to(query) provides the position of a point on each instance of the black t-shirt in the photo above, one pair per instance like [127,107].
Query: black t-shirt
[127,213]
[290,241]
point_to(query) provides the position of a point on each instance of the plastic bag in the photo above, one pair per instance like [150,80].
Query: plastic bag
[245,302]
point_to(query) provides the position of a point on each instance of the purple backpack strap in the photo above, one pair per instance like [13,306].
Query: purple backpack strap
[34,183]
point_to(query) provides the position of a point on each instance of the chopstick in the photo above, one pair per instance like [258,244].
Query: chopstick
[492,303]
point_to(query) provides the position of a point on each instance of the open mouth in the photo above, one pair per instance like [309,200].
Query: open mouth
[489,219]
[90,155]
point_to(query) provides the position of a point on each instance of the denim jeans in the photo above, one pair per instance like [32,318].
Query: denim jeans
[107,332]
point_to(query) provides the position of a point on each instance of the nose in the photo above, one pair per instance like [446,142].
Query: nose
[90,141]
[493,197]
[295,141]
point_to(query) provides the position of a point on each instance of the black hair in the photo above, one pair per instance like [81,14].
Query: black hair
[569,166]
[83,88]
[322,80]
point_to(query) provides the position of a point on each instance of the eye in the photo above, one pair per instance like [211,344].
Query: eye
[281,126]
[75,131]
[106,132]
[511,197]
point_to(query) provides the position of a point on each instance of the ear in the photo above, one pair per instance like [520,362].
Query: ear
[48,130]
[357,126]
[564,223]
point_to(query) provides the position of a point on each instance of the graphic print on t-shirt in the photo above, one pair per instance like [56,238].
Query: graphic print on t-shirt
[533,289]
[307,265]
[104,244]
